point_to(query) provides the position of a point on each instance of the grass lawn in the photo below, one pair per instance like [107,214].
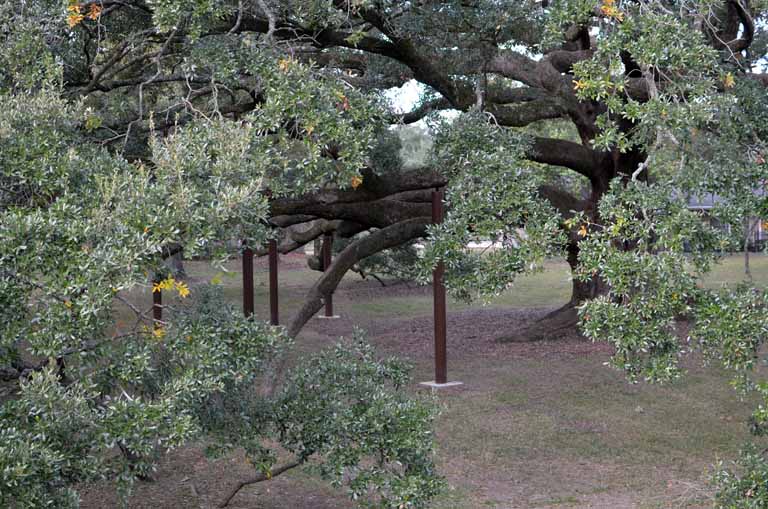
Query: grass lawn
[534,425]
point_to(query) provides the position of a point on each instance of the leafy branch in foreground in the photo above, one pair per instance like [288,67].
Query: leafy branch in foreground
[101,392]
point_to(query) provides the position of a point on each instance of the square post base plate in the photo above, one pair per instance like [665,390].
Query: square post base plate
[434,385]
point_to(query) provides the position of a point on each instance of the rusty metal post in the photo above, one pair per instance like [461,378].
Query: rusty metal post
[274,317]
[157,306]
[438,290]
[247,281]
[327,247]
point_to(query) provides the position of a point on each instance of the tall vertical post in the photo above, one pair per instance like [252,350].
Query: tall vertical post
[327,248]
[247,280]
[274,317]
[438,290]
[157,306]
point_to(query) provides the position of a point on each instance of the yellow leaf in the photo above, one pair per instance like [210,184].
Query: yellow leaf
[579,85]
[729,81]
[356,181]
[583,231]
[183,289]
[165,284]
[610,10]
[74,19]
[95,12]
[68,304]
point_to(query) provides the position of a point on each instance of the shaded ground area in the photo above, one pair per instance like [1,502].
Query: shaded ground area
[535,424]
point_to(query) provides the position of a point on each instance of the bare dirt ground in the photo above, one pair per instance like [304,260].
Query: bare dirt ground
[542,424]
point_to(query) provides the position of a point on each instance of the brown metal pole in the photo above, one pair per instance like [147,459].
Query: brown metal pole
[274,317]
[157,307]
[327,247]
[247,281]
[438,290]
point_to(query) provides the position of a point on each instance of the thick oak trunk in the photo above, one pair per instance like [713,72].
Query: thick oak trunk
[564,320]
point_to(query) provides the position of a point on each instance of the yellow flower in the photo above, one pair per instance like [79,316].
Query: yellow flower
[729,81]
[610,10]
[158,332]
[583,231]
[165,284]
[183,289]
[95,12]
[284,64]
[68,304]
[73,7]
[356,181]
[74,19]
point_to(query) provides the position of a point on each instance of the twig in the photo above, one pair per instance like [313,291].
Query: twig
[259,478]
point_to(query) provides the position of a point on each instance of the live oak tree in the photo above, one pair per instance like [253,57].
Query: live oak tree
[611,74]
[582,128]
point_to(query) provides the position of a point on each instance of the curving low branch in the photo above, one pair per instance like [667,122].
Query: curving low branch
[296,238]
[386,238]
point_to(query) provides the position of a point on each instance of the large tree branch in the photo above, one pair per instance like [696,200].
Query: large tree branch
[295,237]
[568,154]
[563,201]
[377,214]
[748,34]
[389,237]
[538,74]
[374,187]
[423,110]
[514,95]
[525,114]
